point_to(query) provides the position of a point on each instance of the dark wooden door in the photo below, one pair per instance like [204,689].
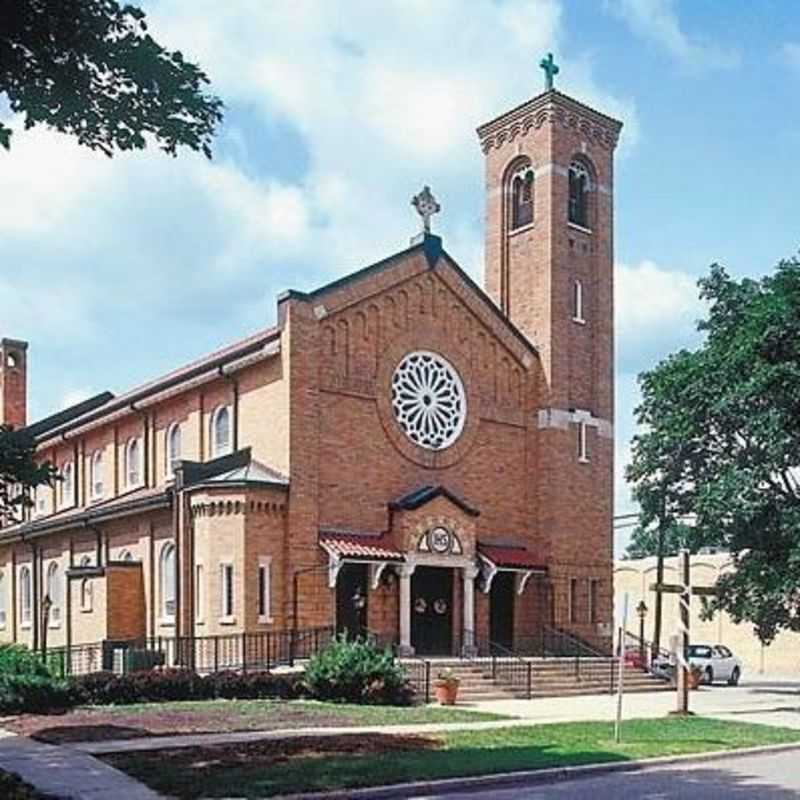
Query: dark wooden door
[351,600]
[432,610]
[501,610]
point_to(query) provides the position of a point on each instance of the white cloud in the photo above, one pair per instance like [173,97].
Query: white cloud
[74,396]
[657,21]
[655,313]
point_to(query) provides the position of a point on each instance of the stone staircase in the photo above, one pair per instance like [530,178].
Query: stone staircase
[551,677]
[561,677]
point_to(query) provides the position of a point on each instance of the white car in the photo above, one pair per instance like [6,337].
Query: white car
[717,664]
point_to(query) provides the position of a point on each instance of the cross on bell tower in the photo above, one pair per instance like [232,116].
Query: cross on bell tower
[550,71]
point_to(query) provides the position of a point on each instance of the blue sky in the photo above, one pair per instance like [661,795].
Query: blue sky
[337,112]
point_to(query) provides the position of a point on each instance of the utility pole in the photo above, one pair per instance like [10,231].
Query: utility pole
[660,573]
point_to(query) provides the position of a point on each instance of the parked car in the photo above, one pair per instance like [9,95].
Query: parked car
[717,663]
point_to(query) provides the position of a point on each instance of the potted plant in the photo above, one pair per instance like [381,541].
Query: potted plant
[446,687]
[695,676]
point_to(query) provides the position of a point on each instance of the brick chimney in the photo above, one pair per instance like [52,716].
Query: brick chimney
[13,383]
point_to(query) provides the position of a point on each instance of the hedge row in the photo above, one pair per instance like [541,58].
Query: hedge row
[106,688]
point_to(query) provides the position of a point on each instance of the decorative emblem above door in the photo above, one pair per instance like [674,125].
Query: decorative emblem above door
[441,541]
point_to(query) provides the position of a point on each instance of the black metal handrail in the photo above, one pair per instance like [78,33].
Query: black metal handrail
[640,652]
[505,665]
[261,650]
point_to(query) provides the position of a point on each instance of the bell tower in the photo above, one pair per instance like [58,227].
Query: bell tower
[13,383]
[549,268]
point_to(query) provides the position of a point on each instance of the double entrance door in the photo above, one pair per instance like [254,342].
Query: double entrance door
[432,611]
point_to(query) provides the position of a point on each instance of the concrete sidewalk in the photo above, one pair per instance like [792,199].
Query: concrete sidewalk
[768,701]
[66,773]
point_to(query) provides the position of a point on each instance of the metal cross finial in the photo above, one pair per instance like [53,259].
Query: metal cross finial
[426,206]
[550,71]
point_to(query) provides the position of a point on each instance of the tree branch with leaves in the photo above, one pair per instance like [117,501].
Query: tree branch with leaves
[720,441]
[90,68]
[20,473]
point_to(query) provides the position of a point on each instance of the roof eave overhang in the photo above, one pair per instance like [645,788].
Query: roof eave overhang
[35,529]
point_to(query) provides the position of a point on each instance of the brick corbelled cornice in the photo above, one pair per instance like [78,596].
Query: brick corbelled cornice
[551,108]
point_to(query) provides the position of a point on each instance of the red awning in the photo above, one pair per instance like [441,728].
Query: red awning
[516,558]
[364,548]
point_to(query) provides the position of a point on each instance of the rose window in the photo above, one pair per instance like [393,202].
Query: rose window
[428,400]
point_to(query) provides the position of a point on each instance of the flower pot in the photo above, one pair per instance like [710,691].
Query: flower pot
[446,692]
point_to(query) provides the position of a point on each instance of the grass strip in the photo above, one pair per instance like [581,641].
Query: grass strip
[266,769]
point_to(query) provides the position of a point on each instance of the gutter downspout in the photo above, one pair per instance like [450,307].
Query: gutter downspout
[35,596]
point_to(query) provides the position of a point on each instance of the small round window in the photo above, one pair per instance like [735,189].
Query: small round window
[428,400]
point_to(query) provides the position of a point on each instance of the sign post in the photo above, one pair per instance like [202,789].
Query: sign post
[621,667]
[685,607]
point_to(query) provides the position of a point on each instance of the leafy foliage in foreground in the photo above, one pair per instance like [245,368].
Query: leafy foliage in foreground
[26,684]
[19,472]
[90,68]
[357,671]
[721,442]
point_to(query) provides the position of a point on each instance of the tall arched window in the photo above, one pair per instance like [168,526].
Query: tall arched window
[25,595]
[67,485]
[54,592]
[167,575]
[86,587]
[133,463]
[221,431]
[96,474]
[173,448]
[579,188]
[3,600]
[521,184]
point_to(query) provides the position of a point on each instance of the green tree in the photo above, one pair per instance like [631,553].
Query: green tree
[90,68]
[677,536]
[19,472]
[721,441]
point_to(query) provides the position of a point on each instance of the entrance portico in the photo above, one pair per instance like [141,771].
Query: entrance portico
[415,585]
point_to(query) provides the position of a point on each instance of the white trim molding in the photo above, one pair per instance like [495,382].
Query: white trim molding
[561,418]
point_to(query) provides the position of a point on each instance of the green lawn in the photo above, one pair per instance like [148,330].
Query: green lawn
[265,769]
[99,723]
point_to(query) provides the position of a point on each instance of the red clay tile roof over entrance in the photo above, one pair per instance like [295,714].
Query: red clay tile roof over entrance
[510,557]
[366,547]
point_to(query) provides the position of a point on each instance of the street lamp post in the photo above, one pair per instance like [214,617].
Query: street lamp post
[641,610]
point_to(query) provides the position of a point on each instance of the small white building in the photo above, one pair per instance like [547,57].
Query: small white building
[637,577]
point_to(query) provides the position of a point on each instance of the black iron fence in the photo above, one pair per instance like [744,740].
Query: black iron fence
[204,654]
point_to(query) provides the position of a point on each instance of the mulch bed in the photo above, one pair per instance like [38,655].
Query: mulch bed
[98,725]
[275,751]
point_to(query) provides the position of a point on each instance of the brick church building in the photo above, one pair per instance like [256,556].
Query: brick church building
[403,452]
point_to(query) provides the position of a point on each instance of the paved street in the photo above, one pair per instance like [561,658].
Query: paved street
[767,777]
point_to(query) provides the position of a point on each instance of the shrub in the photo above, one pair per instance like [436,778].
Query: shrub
[26,684]
[16,659]
[356,671]
[254,685]
[107,688]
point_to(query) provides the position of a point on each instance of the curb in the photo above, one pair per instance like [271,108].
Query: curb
[536,776]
